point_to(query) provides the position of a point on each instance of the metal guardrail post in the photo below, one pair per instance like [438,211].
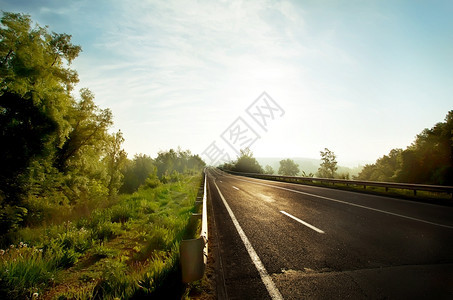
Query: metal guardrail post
[194,252]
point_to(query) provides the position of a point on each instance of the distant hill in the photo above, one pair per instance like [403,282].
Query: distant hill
[308,165]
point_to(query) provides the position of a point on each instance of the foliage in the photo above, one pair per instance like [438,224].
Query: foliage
[136,171]
[24,271]
[34,97]
[166,167]
[179,160]
[152,181]
[129,249]
[328,165]
[288,167]
[428,160]
[246,163]
[114,159]
[56,150]
[268,170]
[385,168]
[61,163]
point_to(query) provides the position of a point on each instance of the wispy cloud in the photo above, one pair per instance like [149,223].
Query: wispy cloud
[177,73]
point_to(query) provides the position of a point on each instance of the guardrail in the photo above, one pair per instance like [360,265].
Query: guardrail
[386,185]
[194,252]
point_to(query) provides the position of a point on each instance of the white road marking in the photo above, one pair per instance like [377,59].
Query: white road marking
[236,188]
[302,222]
[348,203]
[267,280]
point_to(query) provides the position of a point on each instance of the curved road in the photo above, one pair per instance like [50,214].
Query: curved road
[289,241]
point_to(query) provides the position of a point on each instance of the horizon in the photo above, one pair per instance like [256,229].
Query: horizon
[357,78]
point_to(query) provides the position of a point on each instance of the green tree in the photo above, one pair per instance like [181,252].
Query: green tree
[136,171]
[115,159]
[195,163]
[34,65]
[328,165]
[82,157]
[428,160]
[24,136]
[88,130]
[386,168]
[35,86]
[268,170]
[177,160]
[56,151]
[288,167]
[247,163]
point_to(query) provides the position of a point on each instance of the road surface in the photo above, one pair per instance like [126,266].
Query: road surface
[289,241]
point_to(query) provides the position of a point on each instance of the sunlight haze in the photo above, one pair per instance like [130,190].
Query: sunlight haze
[359,78]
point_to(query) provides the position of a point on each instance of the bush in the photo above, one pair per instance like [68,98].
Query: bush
[79,240]
[121,214]
[65,258]
[11,217]
[152,181]
[165,178]
[105,231]
[114,283]
[175,176]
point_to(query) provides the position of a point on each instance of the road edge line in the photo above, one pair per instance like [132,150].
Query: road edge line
[265,277]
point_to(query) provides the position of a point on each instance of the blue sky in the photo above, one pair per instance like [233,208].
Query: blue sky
[358,77]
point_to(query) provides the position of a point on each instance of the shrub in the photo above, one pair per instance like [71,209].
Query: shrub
[165,178]
[11,217]
[105,231]
[121,213]
[175,176]
[100,251]
[114,283]
[79,240]
[152,181]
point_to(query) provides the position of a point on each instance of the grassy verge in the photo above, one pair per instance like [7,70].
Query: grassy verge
[129,249]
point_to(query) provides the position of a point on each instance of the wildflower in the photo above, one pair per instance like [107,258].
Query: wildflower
[12,246]
[21,244]
[2,251]
[35,295]
[25,245]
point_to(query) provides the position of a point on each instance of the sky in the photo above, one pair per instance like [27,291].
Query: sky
[357,77]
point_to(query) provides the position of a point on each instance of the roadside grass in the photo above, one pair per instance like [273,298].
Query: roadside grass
[128,249]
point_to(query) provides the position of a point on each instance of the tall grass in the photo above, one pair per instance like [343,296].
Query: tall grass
[126,249]
[25,272]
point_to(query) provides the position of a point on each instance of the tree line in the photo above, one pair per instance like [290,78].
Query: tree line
[56,150]
[246,163]
[428,160]
[166,167]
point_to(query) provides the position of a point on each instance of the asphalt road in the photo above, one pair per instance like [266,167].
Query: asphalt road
[288,241]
